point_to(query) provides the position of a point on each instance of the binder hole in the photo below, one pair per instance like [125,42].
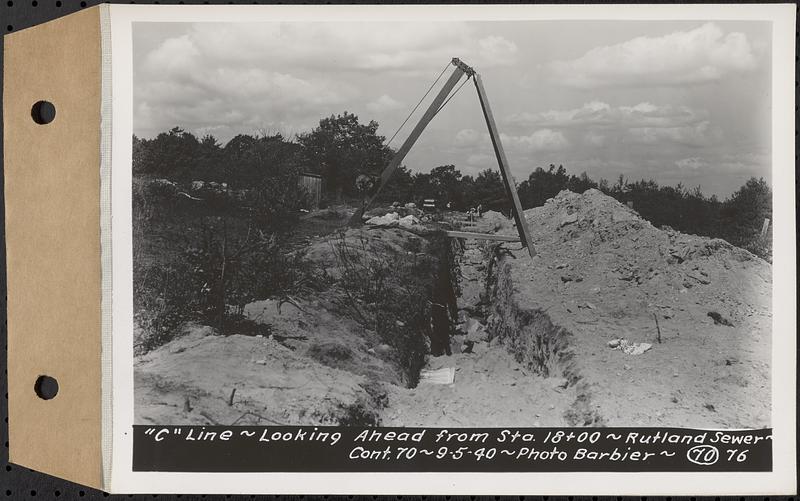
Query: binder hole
[46,387]
[43,112]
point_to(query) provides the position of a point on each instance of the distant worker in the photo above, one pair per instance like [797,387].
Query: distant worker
[365,184]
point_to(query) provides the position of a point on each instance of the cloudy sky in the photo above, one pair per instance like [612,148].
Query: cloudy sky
[673,101]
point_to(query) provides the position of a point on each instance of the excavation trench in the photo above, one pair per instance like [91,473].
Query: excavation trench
[515,369]
[535,341]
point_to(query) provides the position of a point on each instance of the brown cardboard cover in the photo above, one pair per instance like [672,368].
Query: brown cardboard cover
[52,193]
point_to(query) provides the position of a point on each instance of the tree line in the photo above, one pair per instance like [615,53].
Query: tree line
[344,150]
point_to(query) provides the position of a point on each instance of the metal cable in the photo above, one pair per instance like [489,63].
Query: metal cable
[452,95]
[418,104]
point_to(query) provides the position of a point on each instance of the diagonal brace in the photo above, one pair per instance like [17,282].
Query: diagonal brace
[432,110]
[505,170]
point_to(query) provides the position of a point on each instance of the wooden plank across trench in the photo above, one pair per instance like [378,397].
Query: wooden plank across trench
[482,236]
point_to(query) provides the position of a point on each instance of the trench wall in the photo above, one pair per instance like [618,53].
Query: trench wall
[535,341]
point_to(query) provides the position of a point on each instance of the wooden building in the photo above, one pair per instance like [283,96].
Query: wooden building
[312,183]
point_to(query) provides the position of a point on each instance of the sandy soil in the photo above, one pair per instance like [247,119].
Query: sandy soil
[491,388]
[190,381]
[532,347]
[603,273]
[315,368]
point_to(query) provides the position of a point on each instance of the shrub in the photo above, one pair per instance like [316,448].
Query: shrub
[214,278]
[164,297]
[237,270]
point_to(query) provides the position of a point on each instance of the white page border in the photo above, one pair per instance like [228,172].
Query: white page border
[782,480]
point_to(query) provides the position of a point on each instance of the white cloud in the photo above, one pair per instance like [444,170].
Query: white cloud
[645,123]
[383,104]
[498,49]
[338,46]
[246,76]
[600,114]
[481,160]
[175,55]
[699,134]
[208,96]
[594,139]
[692,163]
[541,140]
[746,163]
[468,137]
[705,54]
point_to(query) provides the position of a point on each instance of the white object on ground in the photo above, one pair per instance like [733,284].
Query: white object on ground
[445,375]
[389,219]
[628,347]
[408,221]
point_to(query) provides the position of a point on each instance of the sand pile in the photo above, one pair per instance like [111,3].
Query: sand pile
[314,368]
[603,273]
[603,240]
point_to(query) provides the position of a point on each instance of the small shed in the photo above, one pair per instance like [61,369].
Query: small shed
[312,183]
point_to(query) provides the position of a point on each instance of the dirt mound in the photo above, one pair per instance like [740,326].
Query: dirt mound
[317,365]
[269,382]
[497,222]
[599,237]
[372,240]
[315,368]
[604,273]
[550,354]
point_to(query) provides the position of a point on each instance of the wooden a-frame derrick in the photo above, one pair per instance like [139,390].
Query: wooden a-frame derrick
[460,69]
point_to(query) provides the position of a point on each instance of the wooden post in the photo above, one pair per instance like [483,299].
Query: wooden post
[765,227]
[505,170]
[658,329]
[386,175]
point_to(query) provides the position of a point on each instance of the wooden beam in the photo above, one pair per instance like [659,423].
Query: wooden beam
[482,236]
[395,162]
[765,227]
[505,170]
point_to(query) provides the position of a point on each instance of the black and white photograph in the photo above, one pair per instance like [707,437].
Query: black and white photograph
[560,223]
